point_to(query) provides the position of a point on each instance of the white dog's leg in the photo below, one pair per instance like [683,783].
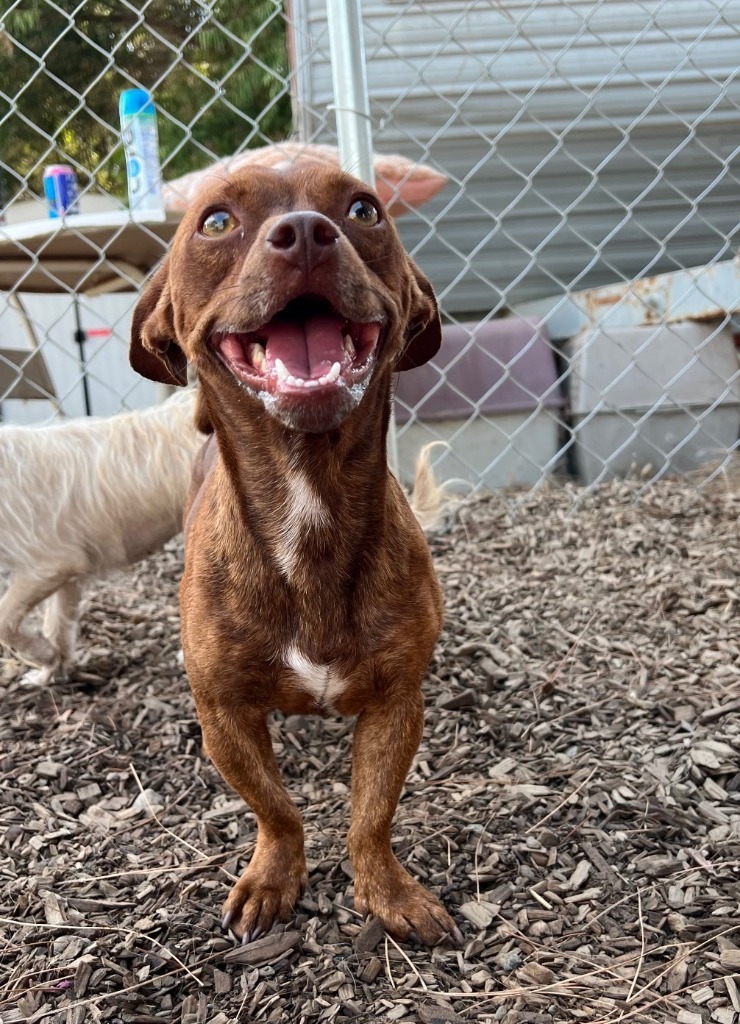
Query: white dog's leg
[22,595]
[61,618]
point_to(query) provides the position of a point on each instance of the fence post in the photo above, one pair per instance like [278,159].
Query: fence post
[352,110]
[351,103]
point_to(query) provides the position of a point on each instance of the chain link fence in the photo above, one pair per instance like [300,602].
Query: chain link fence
[582,247]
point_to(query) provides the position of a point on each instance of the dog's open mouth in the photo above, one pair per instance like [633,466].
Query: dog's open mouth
[308,348]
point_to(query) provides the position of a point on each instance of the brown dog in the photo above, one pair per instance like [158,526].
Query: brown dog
[308,585]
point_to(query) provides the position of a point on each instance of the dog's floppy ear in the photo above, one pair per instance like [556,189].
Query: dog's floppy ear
[153,351]
[424,332]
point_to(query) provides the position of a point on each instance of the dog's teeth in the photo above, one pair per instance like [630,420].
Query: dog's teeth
[349,348]
[288,378]
[312,383]
[332,375]
[257,356]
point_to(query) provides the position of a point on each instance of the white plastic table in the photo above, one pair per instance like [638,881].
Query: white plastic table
[81,254]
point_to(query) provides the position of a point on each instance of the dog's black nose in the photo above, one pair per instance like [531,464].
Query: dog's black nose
[303,238]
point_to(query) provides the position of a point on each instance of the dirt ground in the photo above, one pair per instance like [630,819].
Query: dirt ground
[575,801]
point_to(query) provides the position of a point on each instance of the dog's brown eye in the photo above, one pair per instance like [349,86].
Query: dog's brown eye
[364,212]
[219,223]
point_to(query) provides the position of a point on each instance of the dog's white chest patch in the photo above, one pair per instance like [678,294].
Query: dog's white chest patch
[321,681]
[304,510]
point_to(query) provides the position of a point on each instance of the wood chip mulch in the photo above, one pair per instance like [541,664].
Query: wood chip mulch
[575,802]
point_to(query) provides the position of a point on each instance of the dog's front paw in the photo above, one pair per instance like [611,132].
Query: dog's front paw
[44,676]
[406,909]
[265,893]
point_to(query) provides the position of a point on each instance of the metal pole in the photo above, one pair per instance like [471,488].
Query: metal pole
[80,339]
[351,102]
[352,111]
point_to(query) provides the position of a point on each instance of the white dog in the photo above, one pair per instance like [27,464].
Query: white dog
[80,498]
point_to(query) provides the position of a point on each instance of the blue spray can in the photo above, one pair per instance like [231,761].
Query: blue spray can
[141,146]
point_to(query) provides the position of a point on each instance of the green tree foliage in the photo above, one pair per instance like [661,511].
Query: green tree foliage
[217,69]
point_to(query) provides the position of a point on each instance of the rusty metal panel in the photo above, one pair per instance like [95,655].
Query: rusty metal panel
[704,293]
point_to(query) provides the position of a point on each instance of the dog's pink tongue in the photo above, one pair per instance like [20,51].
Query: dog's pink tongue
[307,350]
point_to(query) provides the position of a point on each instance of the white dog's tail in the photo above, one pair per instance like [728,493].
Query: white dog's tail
[431,502]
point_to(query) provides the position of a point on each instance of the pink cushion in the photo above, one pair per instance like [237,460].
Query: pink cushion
[509,367]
